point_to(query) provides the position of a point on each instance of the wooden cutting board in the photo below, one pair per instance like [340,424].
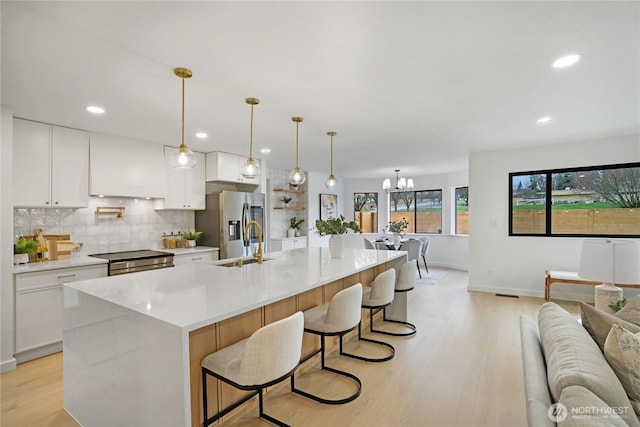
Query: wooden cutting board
[52,244]
[65,247]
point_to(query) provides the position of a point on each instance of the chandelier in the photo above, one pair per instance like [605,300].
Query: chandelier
[402,184]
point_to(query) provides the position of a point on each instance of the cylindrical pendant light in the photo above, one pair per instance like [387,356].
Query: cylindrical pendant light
[182,157]
[296,176]
[251,169]
[331,181]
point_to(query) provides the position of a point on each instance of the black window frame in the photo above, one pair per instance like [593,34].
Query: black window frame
[549,200]
[415,209]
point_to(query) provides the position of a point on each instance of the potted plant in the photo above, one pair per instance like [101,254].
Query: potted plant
[295,227]
[336,227]
[21,250]
[191,237]
[286,200]
[397,228]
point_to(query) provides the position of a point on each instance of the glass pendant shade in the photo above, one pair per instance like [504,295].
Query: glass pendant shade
[182,158]
[296,176]
[251,169]
[331,182]
[386,184]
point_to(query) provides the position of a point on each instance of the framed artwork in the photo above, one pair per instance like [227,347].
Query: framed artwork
[328,206]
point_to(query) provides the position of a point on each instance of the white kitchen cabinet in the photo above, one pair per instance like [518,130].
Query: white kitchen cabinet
[197,257]
[126,168]
[225,167]
[50,166]
[286,244]
[39,308]
[186,188]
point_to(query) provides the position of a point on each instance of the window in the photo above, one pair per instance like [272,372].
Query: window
[421,209]
[365,206]
[462,210]
[589,201]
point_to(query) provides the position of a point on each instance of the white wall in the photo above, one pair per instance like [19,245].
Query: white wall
[516,265]
[7,361]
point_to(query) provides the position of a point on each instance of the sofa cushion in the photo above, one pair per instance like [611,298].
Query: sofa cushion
[573,358]
[622,350]
[583,408]
[535,375]
[631,311]
[598,323]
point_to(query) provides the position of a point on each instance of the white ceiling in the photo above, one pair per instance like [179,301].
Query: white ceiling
[410,85]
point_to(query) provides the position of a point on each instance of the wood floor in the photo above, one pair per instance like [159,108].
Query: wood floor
[462,368]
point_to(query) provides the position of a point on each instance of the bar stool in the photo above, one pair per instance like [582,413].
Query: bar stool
[268,356]
[406,282]
[375,297]
[339,317]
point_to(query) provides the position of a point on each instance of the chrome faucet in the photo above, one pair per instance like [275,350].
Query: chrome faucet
[258,254]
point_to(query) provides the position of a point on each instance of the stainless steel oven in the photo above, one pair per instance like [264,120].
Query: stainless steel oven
[134,261]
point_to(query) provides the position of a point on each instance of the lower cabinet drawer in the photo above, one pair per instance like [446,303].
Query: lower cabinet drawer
[197,257]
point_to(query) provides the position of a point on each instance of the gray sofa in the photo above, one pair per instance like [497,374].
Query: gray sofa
[564,365]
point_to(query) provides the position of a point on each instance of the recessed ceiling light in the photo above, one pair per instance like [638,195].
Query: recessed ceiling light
[95,109]
[566,61]
[544,120]
[265,150]
[201,135]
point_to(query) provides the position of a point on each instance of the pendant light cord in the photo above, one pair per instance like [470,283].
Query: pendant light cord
[182,145]
[251,136]
[297,125]
[331,173]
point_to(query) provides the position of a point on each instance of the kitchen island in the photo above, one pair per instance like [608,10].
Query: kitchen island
[133,343]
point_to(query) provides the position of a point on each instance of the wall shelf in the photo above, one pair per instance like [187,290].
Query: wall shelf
[286,190]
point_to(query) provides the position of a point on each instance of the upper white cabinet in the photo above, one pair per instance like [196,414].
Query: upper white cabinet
[127,168]
[186,188]
[50,166]
[225,167]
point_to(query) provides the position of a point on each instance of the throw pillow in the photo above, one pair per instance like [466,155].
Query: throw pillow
[622,350]
[631,311]
[598,324]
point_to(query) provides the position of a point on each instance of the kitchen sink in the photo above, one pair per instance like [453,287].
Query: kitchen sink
[239,262]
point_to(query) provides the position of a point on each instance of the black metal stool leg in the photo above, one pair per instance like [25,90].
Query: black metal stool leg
[360,338]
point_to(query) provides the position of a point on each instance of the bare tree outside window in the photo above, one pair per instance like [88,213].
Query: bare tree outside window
[365,206]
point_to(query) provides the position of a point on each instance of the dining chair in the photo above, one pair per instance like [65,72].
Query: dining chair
[413,248]
[425,249]
[368,244]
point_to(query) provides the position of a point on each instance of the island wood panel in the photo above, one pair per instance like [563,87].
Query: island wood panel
[230,331]
[202,342]
[305,301]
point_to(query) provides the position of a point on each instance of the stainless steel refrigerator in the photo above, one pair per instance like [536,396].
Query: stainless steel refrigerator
[224,219]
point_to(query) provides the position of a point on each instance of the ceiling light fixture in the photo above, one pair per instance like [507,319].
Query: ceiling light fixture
[182,157]
[251,169]
[402,184]
[544,120]
[201,135]
[95,109]
[296,176]
[332,181]
[566,61]
[265,150]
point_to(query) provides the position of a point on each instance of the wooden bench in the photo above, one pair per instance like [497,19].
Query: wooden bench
[553,276]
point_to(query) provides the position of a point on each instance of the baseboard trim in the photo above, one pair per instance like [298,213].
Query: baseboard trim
[533,293]
[39,352]
[8,365]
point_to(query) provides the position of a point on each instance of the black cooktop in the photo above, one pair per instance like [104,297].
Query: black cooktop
[131,255]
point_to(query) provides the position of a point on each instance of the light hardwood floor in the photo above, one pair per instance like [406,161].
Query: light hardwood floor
[462,368]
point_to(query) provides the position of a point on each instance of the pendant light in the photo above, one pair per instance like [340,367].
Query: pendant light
[251,169]
[183,157]
[296,176]
[332,181]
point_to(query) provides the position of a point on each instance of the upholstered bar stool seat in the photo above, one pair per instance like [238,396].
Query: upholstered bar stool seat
[375,297]
[267,357]
[406,281]
[339,317]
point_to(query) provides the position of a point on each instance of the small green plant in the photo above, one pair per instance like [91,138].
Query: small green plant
[24,246]
[295,223]
[616,306]
[399,226]
[286,200]
[191,235]
[336,226]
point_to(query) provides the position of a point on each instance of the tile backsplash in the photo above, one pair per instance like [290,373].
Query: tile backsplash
[140,228]
[280,219]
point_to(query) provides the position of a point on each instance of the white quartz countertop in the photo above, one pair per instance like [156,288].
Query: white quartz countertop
[74,261]
[195,295]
